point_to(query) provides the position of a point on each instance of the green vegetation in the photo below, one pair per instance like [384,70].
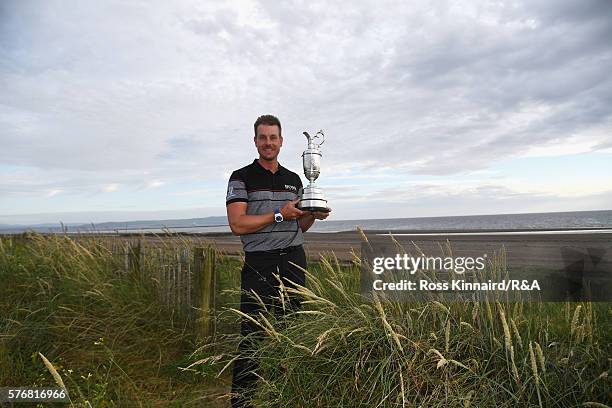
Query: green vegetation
[114,343]
[343,351]
[108,335]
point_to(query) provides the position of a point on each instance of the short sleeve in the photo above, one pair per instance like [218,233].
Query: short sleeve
[298,183]
[236,189]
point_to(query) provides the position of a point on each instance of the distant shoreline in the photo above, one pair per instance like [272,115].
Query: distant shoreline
[370,231]
[534,248]
[398,232]
[591,219]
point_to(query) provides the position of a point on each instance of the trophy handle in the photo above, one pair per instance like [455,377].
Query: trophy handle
[319,135]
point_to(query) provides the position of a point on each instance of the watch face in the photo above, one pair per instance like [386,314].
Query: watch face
[278,217]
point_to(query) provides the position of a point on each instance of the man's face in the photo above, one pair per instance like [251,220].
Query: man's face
[268,141]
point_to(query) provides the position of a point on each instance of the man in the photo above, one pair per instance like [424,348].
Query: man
[261,208]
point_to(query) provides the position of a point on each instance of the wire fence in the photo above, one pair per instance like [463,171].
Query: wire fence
[184,275]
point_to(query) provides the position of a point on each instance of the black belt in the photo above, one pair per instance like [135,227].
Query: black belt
[280,251]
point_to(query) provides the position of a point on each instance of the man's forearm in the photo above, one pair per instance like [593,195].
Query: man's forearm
[306,222]
[241,223]
[246,224]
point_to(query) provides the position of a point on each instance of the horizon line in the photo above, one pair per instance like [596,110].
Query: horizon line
[60,222]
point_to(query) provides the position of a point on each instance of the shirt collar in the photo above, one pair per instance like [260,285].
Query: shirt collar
[280,169]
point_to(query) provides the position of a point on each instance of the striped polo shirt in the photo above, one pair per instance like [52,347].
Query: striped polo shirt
[263,191]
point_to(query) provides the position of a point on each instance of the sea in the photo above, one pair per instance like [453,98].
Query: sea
[576,220]
[530,221]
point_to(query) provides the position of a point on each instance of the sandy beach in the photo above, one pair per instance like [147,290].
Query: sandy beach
[522,249]
[533,248]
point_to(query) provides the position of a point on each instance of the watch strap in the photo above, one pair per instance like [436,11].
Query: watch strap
[278,216]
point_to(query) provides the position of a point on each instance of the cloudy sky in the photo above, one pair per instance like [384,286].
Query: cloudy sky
[138,110]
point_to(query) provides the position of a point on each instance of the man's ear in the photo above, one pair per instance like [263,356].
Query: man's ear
[281,139]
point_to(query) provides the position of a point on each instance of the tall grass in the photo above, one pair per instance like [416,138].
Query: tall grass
[114,343]
[343,350]
[108,335]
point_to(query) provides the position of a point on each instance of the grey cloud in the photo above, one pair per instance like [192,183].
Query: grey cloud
[33,182]
[564,11]
[422,87]
[178,147]
[474,70]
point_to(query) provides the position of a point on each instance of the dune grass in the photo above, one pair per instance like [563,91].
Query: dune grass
[113,342]
[108,336]
[342,350]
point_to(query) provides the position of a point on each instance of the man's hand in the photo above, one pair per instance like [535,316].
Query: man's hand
[320,215]
[309,218]
[290,212]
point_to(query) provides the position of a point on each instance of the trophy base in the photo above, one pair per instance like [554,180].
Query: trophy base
[316,204]
[312,199]
[315,209]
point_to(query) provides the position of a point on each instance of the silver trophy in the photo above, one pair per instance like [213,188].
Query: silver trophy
[311,196]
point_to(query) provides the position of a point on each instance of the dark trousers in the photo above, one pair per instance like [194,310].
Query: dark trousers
[258,275]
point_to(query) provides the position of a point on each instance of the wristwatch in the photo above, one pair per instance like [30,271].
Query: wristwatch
[278,217]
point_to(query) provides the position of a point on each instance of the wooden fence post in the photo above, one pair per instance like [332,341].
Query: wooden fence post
[134,259]
[205,282]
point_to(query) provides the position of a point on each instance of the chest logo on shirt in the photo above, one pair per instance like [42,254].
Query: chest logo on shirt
[291,188]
